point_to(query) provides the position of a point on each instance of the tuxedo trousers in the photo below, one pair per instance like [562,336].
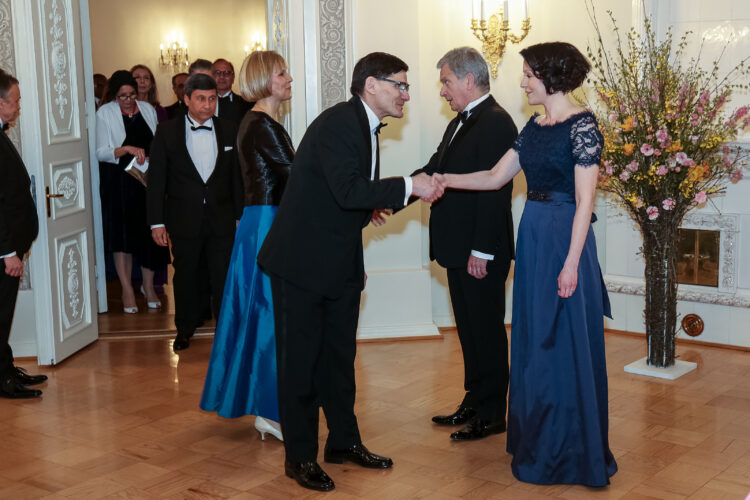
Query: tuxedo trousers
[8,295]
[197,260]
[479,310]
[315,351]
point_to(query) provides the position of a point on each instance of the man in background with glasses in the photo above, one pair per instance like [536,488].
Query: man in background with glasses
[313,253]
[471,235]
[231,106]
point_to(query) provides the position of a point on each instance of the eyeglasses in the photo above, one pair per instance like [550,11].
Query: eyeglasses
[401,86]
[127,97]
[228,72]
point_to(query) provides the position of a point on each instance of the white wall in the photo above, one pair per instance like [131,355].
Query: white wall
[127,33]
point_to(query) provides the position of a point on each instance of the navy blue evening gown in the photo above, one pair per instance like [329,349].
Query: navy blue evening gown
[558,420]
[241,378]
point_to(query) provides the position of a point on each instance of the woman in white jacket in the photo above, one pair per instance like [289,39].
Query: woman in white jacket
[124,130]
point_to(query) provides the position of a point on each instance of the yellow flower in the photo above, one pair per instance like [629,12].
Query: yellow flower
[628,148]
[675,146]
[627,125]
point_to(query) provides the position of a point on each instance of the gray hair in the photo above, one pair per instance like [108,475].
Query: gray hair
[465,60]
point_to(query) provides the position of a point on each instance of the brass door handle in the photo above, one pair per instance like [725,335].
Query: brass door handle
[49,195]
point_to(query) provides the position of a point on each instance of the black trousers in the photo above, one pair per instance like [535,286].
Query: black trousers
[315,351]
[479,310]
[197,261]
[8,295]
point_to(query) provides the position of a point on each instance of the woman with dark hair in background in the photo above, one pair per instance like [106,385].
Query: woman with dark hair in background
[241,378]
[558,421]
[144,77]
[125,127]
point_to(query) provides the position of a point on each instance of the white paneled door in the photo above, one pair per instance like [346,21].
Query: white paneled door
[55,140]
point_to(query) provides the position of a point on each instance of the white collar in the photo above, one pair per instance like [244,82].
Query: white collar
[192,122]
[228,93]
[473,104]
[372,118]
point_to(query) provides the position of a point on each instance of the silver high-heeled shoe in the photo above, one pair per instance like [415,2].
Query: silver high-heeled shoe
[264,427]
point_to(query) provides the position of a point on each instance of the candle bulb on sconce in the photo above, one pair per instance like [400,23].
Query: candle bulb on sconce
[258,43]
[174,56]
[494,33]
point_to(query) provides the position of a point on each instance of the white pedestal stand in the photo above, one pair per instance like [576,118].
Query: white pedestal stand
[680,368]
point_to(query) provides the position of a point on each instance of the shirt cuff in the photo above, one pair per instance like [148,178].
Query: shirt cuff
[408,185]
[7,255]
[154,226]
[481,255]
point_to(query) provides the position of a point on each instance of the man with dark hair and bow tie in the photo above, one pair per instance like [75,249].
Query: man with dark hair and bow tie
[313,253]
[18,229]
[194,198]
[471,235]
[230,106]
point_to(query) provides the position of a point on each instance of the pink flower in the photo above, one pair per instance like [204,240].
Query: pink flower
[657,152]
[736,176]
[668,204]
[662,135]
[705,96]
[608,167]
[671,161]
[625,176]
[632,166]
[677,169]
[681,158]
[652,212]
[647,150]
[662,170]
[638,202]
[701,197]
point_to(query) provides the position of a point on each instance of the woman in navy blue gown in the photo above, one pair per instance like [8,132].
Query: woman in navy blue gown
[241,378]
[558,422]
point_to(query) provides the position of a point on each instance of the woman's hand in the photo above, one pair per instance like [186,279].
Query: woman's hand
[567,281]
[139,153]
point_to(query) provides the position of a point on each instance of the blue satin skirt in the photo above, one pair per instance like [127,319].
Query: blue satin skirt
[241,378]
[558,421]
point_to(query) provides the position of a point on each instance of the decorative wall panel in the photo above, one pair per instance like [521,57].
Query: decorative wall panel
[67,180]
[60,86]
[332,52]
[73,283]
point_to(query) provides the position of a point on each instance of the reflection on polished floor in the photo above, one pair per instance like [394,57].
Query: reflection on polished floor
[121,420]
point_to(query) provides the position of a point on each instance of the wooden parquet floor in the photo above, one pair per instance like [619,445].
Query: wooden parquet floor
[121,420]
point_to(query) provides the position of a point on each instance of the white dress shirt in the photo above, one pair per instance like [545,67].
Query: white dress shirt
[373,122]
[201,144]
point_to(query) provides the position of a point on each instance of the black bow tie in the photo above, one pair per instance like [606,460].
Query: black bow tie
[226,98]
[463,116]
[380,125]
[200,127]
[6,126]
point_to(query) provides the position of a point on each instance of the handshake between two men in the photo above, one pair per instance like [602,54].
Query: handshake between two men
[427,187]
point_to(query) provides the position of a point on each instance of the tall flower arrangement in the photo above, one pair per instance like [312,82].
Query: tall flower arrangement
[666,131]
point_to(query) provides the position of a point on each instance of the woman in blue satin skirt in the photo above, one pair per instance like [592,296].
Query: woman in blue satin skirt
[241,378]
[558,421]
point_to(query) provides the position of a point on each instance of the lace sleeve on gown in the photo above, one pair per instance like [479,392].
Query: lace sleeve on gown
[587,141]
[518,143]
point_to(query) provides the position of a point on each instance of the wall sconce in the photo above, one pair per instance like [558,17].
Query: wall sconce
[174,56]
[259,43]
[494,32]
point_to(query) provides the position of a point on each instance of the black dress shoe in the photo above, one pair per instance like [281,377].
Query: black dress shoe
[180,343]
[359,455]
[13,389]
[309,475]
[478,429]
[26,379]
[462,415]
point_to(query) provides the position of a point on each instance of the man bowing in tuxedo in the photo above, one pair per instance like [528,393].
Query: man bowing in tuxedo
[471,235]
[18,229]
[313,253]
[194,197]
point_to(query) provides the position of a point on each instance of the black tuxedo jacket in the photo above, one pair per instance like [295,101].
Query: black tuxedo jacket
[462,221]
[315,241]
[234,110]
[176,193]
[176,109]
[19,224]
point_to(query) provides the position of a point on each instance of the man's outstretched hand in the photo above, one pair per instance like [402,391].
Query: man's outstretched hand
[426,188]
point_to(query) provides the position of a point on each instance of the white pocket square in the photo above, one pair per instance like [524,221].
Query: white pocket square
[228,148]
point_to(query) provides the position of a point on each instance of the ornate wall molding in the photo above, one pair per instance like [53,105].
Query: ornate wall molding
[632,286]
[332,23]
[7,56]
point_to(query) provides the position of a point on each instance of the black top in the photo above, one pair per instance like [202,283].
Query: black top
[18,220]
[266,155]
[138,134]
